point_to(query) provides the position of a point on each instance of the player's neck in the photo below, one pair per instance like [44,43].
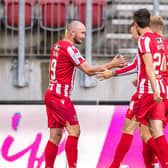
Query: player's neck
[69,40]
[145,30]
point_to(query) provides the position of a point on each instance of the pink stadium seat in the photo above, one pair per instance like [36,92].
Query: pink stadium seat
[53,14]
[12,13]
[97,14]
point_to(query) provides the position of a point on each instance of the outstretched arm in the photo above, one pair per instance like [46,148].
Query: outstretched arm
[124,71]
[91,70]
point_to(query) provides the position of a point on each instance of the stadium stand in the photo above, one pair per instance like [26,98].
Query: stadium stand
[98,18]
[119,17]
[111,16]
[11,13]
[116,15]
[48,19]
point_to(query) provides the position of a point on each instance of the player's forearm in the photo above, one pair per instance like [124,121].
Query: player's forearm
[91,70]
[108,65]
[164,65]
[132,68]
[126,71]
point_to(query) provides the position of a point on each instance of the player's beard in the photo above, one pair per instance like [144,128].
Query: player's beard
[77,41]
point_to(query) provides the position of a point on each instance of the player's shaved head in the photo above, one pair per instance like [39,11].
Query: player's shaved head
[74,25]
[75,32]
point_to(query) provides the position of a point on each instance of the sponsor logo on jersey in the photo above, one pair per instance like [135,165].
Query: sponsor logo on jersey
[160,47]
[159,40]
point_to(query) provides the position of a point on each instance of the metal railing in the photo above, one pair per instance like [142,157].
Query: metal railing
[112,38]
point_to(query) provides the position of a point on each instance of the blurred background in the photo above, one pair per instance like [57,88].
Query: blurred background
[29,28]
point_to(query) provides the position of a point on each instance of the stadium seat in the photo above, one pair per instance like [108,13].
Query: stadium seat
[97,14]
[53,14]
[11,13]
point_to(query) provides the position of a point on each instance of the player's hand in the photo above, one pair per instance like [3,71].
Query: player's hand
[119,61]
[104,75]
[135,82]
[157,97]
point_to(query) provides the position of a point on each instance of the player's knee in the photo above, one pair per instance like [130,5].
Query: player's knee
[74,130]
[128,130]
[144,135]
[56,138]
[156,132]
[130,126]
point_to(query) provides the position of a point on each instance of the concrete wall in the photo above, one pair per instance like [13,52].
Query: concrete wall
[9,91]
[116,89]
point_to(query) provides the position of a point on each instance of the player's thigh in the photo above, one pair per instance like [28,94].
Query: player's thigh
[130,126]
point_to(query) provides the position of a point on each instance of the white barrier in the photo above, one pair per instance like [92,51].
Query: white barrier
[24,134]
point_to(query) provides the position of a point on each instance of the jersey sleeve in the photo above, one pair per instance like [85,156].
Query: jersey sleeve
[132,68]
[144,45]
[75,56]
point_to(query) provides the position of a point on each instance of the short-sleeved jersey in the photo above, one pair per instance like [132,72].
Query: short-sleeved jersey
[63,60]
[165,74]
[150,43]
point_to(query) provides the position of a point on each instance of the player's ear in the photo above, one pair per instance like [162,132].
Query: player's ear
[136,25]
[72,32]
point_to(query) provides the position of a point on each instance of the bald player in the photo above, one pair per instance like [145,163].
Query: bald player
[64,59]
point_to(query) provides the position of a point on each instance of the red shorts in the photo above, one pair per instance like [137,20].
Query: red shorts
[157,112]
[130,110]
[144,107]
[166,106]
[59,110]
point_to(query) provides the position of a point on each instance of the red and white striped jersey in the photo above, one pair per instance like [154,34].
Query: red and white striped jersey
[165,74]
[63,60]
[153,44]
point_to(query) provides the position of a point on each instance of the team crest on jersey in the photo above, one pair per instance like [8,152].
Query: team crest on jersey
[159,40]
[57,47]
